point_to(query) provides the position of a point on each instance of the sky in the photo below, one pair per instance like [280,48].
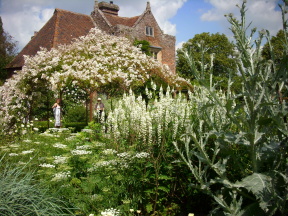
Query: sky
[180,18]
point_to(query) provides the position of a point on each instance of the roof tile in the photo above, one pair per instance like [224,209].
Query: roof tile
[62,27]
[116,20]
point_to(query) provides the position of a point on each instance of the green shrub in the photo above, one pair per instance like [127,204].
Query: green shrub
[43,125]
[77,126]
[75,113]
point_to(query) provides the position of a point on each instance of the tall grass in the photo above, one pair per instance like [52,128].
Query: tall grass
[20,195]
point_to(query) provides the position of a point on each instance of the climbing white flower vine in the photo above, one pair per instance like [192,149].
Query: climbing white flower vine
[91,62]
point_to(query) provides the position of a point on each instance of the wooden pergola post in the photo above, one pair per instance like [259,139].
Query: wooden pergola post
[91,107]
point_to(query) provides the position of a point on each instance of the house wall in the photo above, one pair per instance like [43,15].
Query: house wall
[100,21]
[138,31]
[159,39]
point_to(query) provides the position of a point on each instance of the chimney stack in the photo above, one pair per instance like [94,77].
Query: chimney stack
[96,5]
[109,8]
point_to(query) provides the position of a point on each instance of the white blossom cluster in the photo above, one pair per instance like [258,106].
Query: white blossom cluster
[149,123]
[110,212]
[61,176]
[124,155]
[14,146]
[58,130]
[83,147]
[98,144]
[47,165]
[122,161]
[71,137]
[80,152]
[131,115]
[87,130]
[74,94]
[60,145]
[60,159]
[90,62]
[142,155]
[13,154]
[106,163]
[28,151]
[27,141]
[109,151]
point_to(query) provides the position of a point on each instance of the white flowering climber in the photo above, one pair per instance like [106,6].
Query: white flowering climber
[94,61]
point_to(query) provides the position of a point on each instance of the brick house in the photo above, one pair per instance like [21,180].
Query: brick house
[64,25]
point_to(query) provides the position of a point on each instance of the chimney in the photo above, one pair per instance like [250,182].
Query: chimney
[35,33]
[148,7]
[96,5]
[109,8]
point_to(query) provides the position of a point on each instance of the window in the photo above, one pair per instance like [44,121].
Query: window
[154,55]
[149,31]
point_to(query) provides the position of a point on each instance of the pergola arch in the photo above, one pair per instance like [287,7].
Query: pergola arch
[92,62]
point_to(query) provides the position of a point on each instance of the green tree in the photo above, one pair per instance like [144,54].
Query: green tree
[7,51]
[277,42]
[217,45]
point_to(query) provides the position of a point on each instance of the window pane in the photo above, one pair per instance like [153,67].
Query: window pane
[147,30]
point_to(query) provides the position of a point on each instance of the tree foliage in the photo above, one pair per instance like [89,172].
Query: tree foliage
[7,51]
[278,44]
[211,44]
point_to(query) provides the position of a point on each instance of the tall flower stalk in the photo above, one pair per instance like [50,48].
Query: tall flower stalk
[132,118]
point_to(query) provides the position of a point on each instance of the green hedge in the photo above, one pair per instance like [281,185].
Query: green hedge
[43,125]
[78,126]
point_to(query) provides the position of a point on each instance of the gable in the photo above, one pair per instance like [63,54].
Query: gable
[147,19]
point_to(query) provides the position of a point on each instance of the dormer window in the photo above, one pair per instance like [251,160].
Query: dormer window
[149,31]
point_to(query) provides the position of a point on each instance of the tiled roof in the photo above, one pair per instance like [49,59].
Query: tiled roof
[62,27]
[116,20]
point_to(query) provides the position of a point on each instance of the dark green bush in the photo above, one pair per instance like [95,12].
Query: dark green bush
[43,125]
[75,113]
[77,126]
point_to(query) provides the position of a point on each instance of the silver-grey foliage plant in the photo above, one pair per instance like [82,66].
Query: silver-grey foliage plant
[19,195]
[242,163]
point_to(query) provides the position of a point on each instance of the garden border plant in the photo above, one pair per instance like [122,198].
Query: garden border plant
[20,195]
[253,142]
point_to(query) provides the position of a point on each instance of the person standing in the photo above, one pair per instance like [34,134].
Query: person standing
[99,107]
[57,113]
